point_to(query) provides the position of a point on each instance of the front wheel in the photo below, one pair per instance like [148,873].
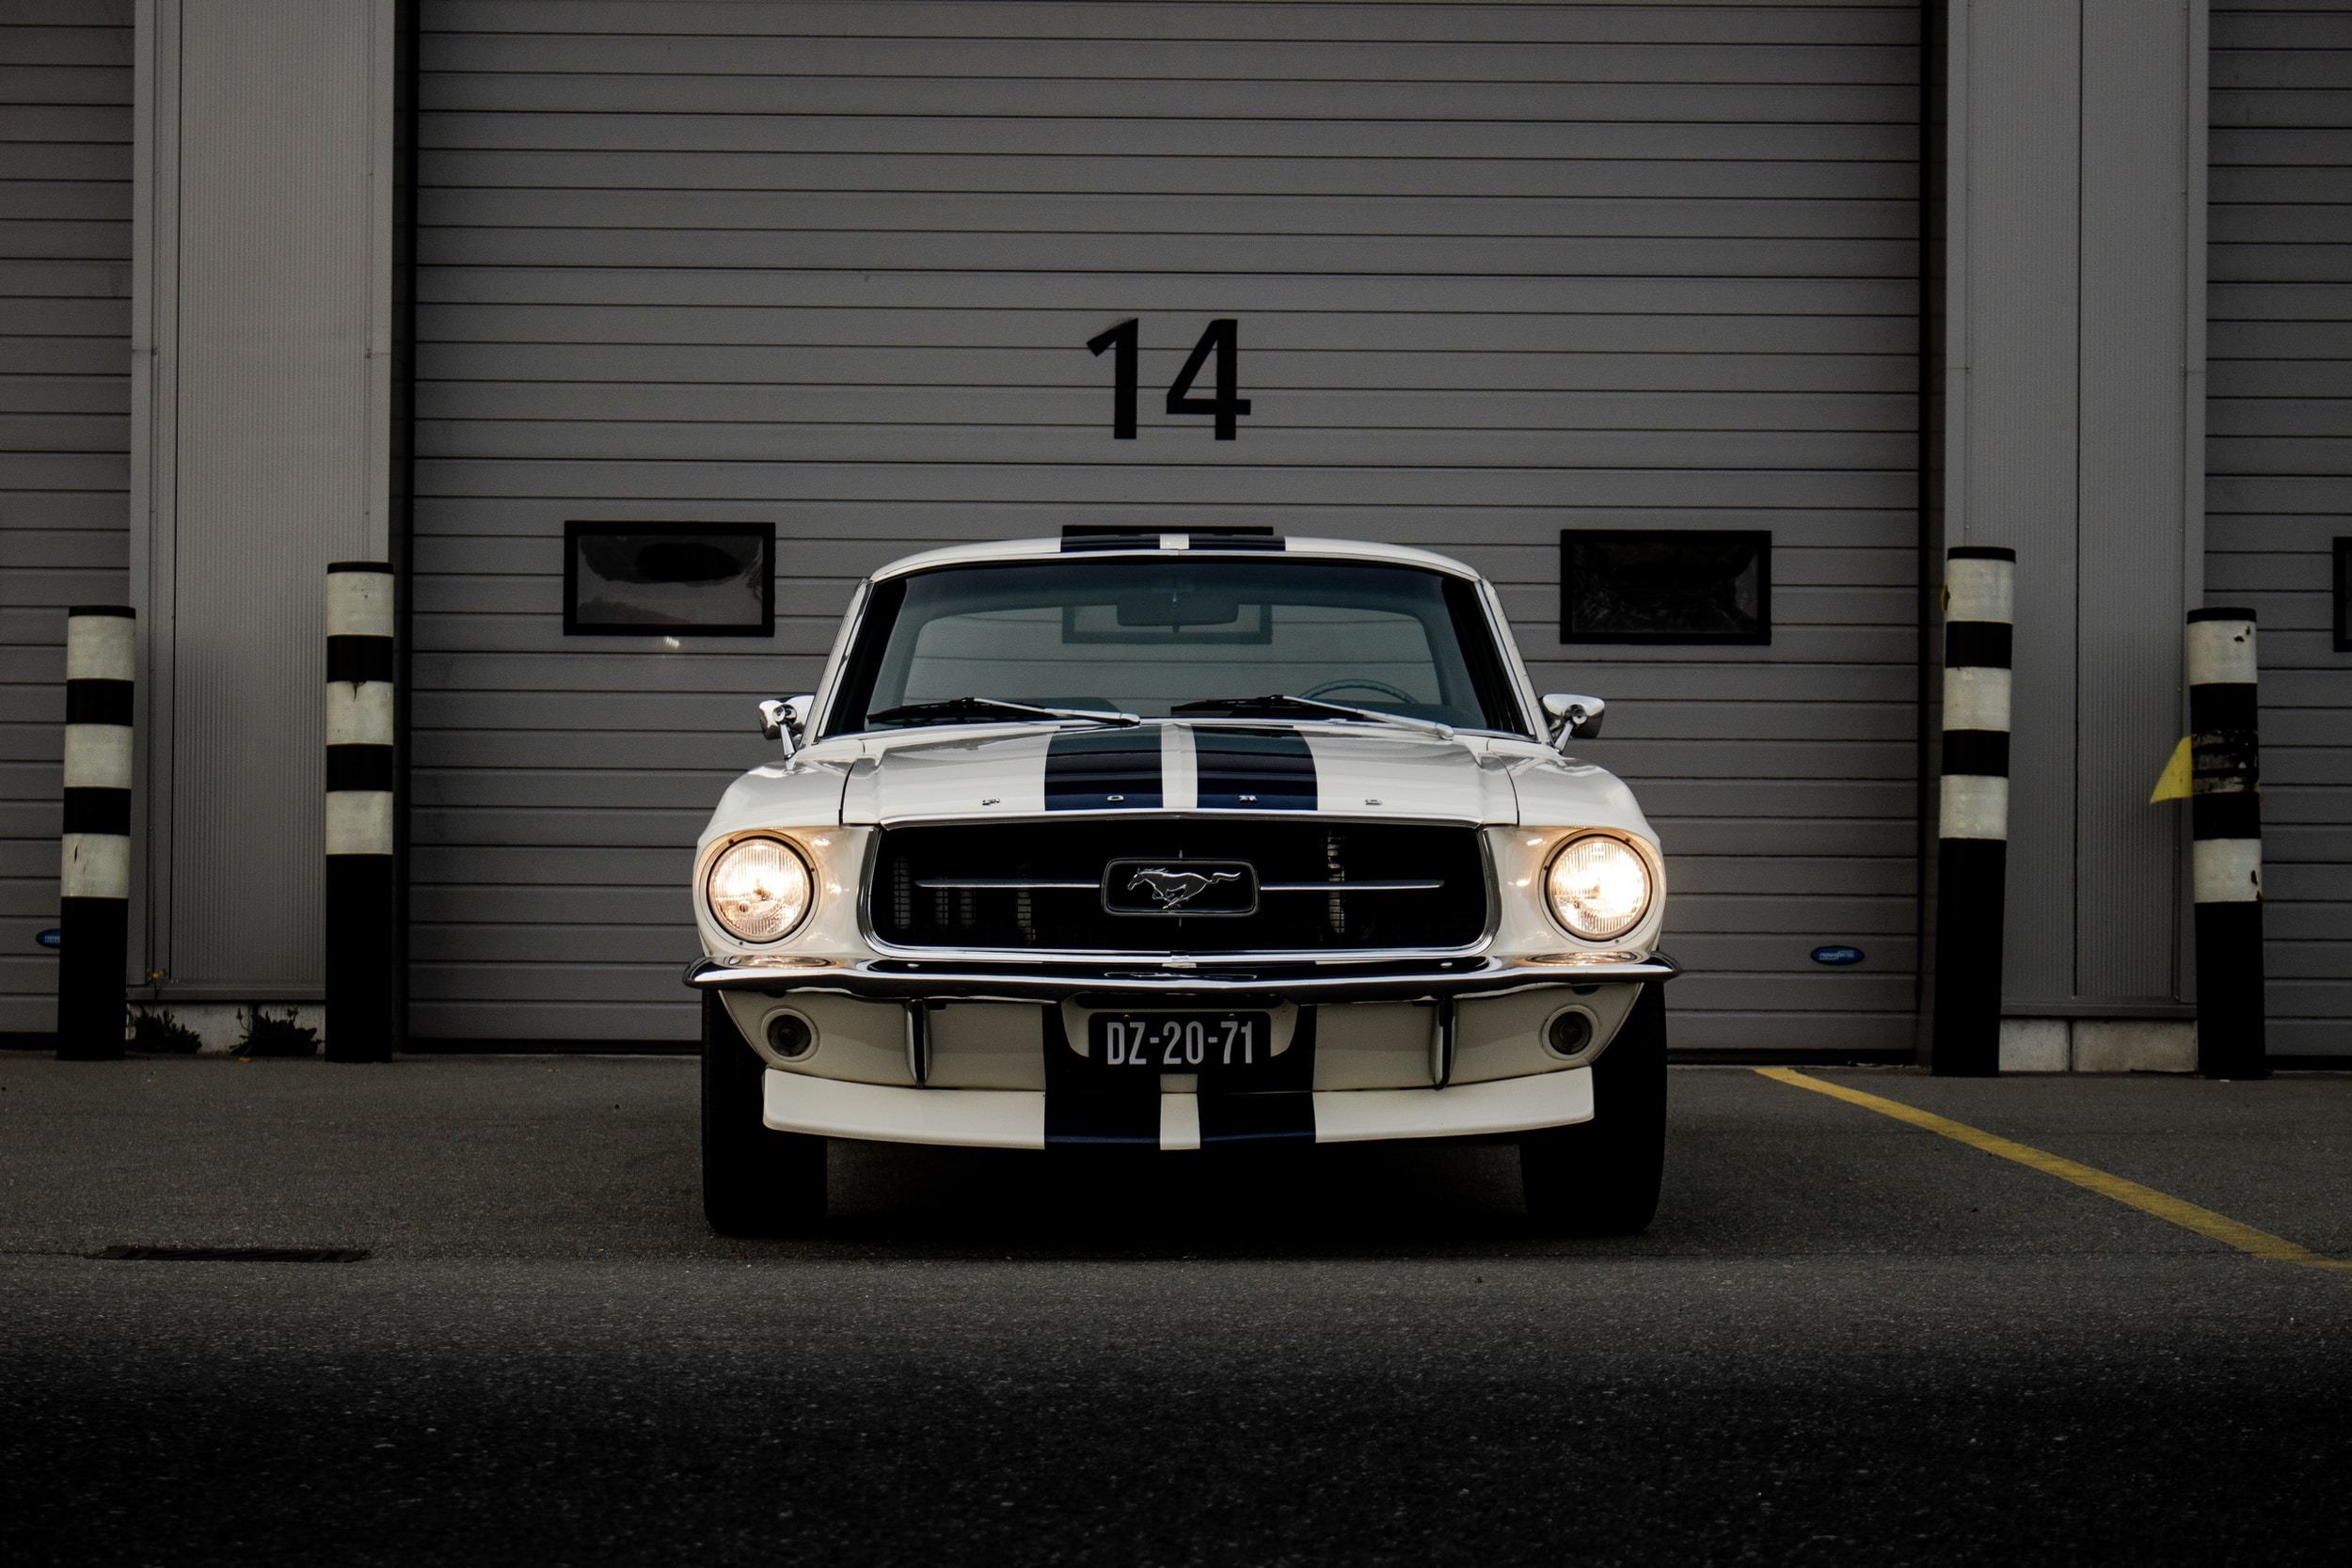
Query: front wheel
[1601,1177]
[756,1181]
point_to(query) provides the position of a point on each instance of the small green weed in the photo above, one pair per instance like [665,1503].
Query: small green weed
[156,1029]
[269,1036]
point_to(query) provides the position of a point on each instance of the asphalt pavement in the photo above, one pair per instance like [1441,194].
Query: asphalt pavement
[1846,1339]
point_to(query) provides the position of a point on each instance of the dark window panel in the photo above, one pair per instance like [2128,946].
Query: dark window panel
[1665,586]
[669,579]
[2343,595]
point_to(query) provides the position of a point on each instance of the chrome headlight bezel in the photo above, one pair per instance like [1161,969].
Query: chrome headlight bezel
[1605,933]
[794,856]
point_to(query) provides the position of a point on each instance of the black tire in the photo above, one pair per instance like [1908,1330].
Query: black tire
[756,1181]
[1601,1177]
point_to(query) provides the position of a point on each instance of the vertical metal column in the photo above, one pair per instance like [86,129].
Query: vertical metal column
[360,883]
[2226,859]
[94,872]
[1972,834]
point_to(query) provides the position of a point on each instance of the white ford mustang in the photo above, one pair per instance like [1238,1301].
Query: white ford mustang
[1181,841]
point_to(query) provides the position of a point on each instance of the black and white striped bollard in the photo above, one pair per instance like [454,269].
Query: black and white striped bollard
[360,949]
[2226,859]
[1972,833]
[94,872]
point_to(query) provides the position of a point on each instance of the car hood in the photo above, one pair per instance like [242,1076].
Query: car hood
[1347,770]
[977,774]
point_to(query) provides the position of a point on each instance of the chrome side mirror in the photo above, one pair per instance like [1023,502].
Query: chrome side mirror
[1573,718]
[784,722]
[775,722]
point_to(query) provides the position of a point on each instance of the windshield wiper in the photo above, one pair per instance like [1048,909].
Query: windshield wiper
[955,707]
[1281,702]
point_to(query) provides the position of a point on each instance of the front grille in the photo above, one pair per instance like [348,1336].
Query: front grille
[1063,910]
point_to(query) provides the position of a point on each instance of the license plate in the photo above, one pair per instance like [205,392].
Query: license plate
[1179,1042]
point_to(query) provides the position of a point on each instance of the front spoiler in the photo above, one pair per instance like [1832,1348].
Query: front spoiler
[1226,984]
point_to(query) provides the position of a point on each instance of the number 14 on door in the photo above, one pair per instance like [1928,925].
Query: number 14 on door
[1221,340]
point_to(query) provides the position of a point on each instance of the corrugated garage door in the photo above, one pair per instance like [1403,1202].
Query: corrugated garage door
[1499,270]
[2279,467]
[65,426]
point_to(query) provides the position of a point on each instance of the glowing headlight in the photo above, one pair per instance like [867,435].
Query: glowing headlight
[1599,887]
[760,889]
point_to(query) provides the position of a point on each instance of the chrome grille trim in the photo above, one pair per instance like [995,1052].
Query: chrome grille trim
[1354,919]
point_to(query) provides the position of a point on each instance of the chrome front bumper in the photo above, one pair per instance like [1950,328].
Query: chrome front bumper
[1225,983]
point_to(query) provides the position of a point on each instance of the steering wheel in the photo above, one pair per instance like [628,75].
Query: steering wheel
[1360,684]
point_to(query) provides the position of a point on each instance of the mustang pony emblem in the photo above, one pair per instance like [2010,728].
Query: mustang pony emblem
[1174,889]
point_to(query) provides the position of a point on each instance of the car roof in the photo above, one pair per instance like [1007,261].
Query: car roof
[1175,542]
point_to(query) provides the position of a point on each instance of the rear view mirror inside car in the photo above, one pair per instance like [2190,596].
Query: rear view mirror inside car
[1177,611]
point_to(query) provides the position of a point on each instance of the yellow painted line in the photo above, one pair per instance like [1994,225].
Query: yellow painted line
[2175,1210]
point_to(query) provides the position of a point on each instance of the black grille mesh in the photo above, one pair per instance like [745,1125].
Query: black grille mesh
[908,914]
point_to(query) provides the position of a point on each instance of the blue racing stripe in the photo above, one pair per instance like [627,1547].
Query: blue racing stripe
[1254,769]
[1104,770]
[1275,1106]
[1083,1106]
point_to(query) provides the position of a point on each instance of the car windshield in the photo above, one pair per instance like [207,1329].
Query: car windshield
[1147,636]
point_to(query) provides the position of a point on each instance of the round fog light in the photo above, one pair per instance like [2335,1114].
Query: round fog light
[790,1035]
[1570,1033]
